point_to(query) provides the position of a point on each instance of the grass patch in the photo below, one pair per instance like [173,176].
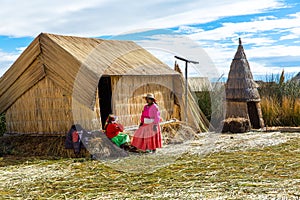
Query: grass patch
[270,172]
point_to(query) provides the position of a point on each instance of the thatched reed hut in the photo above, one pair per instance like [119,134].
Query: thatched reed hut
[242,97]
[61,80]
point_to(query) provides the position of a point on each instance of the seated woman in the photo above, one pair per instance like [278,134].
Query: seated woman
[113,131]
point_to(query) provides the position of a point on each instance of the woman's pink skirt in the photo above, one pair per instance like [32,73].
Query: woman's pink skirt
[146,139]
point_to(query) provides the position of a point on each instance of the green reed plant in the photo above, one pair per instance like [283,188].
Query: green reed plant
[280,101]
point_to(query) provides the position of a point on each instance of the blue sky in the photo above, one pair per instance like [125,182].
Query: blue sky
[270,29]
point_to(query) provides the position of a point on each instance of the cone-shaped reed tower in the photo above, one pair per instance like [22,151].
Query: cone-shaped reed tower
[242,97]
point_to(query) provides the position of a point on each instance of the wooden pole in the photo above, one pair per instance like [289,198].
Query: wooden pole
[186,90]
[186,82]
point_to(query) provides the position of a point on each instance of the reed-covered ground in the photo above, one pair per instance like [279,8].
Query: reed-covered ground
[240,166]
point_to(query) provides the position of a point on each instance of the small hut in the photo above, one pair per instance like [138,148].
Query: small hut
[242,97]
[62,80]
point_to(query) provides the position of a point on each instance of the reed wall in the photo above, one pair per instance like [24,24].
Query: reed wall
[42,109]
[240,110]
[259,110]
[236,109]
[46,108]
[129,92]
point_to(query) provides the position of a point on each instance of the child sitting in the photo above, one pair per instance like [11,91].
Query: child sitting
[113,131]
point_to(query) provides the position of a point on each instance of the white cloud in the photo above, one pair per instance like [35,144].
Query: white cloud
[259,69]
[222,58]
[181,46]
[188,29]
[288,37]
[263,18]
[99,17]
[275,50]
[256,37]
[20,49]
[6,59]
[104,17]
[231,30]
[293,33]
[206,11]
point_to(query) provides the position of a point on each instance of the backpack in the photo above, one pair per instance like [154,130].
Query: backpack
[73,140]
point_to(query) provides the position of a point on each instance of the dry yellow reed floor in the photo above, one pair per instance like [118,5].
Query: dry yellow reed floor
[237,166]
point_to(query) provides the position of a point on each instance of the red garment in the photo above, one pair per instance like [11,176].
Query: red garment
[113,129]
[75,136]
[146,139]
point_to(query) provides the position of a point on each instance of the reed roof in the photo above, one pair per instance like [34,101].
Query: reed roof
[240,85]
[65,59]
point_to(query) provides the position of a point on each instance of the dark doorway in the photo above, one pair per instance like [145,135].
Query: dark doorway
[253,114]
[104,88]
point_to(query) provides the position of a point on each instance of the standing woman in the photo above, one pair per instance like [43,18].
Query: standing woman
[148,136]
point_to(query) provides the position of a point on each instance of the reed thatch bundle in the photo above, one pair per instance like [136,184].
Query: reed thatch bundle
[178,132]
[38,145]
[236,125]
[102,148]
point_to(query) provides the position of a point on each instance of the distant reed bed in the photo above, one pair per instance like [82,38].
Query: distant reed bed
[280,101]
